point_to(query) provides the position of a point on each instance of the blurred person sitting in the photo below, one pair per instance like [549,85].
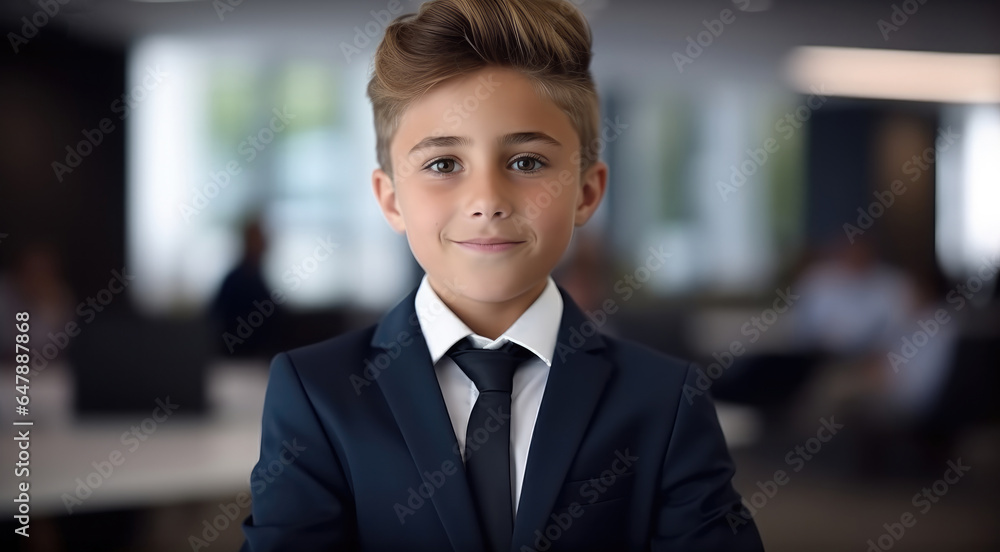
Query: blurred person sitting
[242,290]
[903,387]
[852,309]
[852,303]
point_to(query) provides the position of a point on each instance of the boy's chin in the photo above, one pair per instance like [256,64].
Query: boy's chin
[491,288]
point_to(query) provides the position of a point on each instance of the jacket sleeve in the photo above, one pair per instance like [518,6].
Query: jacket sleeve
[301,499]
[697,507]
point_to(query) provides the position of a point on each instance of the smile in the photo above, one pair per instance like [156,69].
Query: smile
[495,247]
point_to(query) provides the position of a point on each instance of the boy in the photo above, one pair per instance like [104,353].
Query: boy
[485,411]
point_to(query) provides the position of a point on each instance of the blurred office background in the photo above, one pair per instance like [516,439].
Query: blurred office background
[185,190]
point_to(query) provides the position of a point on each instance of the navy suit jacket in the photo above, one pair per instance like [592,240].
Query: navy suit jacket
[358,452]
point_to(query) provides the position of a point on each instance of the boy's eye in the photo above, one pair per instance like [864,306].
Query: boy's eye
[528,164]
[443,166]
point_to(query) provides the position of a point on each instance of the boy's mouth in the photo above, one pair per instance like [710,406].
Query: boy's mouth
[491,244]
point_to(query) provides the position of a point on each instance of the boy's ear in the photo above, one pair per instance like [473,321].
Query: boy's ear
[385,194]
[593,183]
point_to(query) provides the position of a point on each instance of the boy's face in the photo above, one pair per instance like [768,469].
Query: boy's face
[487,186]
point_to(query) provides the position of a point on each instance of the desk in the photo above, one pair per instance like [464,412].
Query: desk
[181,459]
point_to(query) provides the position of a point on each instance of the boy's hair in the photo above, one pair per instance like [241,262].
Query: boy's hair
[548,41]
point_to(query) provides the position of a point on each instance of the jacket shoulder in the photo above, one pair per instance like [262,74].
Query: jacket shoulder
[642,361]
[330,353]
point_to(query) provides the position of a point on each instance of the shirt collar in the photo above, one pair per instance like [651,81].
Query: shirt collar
[536,329]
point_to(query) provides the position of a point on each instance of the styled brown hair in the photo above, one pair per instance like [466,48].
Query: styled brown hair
[548,41]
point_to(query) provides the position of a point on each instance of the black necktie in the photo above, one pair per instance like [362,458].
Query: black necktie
[487,440]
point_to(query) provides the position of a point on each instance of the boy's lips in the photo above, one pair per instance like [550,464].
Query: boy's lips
[491,244]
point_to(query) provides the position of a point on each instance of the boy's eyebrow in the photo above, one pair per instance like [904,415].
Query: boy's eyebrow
[517,138]
[506,140]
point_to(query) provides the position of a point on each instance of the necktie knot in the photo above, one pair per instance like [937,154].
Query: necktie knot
[489,369]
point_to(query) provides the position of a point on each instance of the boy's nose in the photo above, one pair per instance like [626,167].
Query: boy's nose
[488,196]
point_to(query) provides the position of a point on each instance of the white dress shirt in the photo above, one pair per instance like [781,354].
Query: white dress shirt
[535,330]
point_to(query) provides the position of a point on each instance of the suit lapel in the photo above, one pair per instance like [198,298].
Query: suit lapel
[575,384]
[412,391]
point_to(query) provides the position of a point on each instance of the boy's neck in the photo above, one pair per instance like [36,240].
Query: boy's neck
[490,319]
